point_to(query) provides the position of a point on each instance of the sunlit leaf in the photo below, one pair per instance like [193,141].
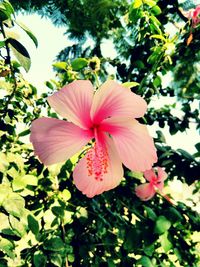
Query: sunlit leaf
[29,32]
[79,63]
[20,182]
[130,84]
[137,3]
[17,226]
[150,3]
[7,246]
[8,6]
[162,225]
[14,204]
[165,243]
[21,53]
[65,194]
[158,36]
[156,10]
[60,65]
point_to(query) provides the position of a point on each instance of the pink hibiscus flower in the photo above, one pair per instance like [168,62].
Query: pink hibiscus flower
[106,121]
[156,183]
[194,15]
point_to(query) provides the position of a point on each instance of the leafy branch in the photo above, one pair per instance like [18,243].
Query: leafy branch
[8,61]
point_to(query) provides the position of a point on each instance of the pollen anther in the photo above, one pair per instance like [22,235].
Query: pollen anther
[97,162]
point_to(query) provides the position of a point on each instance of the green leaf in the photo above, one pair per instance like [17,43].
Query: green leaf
[79,63]
[149,250]
[54,244]
[24,133]
[49,85]
[197,146]
[150,213]
[174,215]
[161,137]
[30,179]
[137,4]
[60,65]
[58,211]
[4,191]
[28,32]
[165,243]
[65,194]
[185,154]
[156,23]
[14,204]
[12,172]
[132,239]
[162,225]
[111,263]
[7,246]
[56,259]
[71,258]
[4,222]
[130,84]
[9,7]
[150,3]
[139,64]
[33,224]
[145,262]
[156,10]
[158,36]
[2,44]
[17,226]
[21,53]
[67,217]
[21,182]
[157,81]
[4,13]
[39,259]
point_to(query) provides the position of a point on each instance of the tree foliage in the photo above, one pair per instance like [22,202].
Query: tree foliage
[45,220]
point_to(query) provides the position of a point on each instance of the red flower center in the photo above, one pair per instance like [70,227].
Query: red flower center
[154,180]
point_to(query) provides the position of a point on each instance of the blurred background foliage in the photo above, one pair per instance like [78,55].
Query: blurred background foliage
[45,220]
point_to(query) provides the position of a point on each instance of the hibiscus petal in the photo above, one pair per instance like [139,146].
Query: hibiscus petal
[56,140]
[162,175]
[149,175]
[113,100]
[133,142]
[145,191]
[73,102]
[196,12]
[93,176]
[160,185]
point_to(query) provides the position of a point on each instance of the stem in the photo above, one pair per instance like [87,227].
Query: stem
[170,200]
[8,61]
[66,264]
[96,79]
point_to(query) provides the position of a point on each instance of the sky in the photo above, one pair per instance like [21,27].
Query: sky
[51,41]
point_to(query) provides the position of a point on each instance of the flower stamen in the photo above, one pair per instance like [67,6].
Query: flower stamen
[97,162]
